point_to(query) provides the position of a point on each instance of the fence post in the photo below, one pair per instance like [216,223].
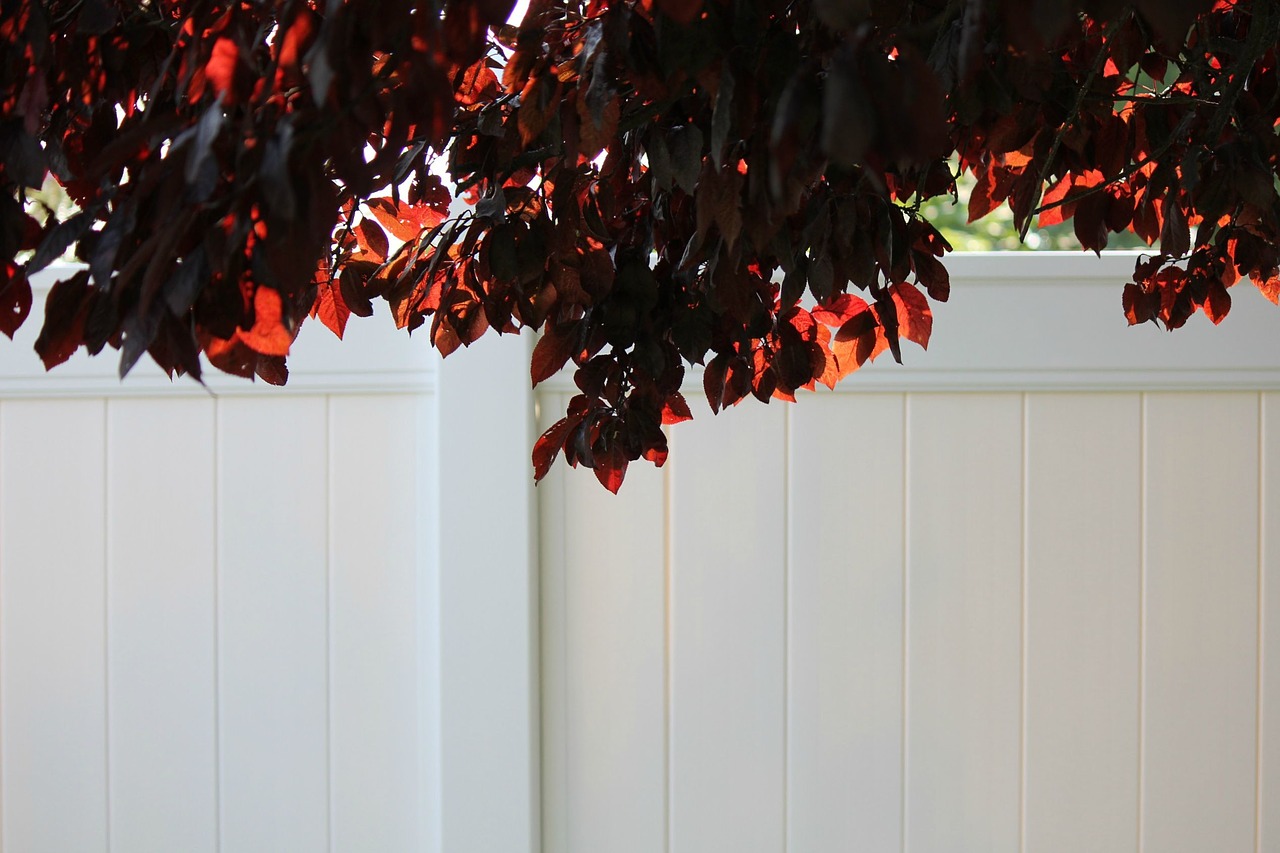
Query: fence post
[488,602]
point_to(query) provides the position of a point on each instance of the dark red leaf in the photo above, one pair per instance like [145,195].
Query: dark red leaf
[373,240]
[1139,306]
[676,409]
[65,310]
[1217,303]
[681,11]
[549,444]
[15,298]
[553,349]
[611,468]
[713,381]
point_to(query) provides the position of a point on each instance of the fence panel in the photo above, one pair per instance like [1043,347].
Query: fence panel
[219,605]
[1018,594]
[845,652]
[1081,611]
[604,653]
[53,724]
[162,666]
[1200,628]
[1269,645]
[375,702]
[964,599]
[728,634]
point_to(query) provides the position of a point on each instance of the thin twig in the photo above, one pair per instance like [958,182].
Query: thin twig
[1123,173]
[1261,36]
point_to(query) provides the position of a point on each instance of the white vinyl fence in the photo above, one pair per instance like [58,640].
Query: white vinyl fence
[1022,594]
[223,624]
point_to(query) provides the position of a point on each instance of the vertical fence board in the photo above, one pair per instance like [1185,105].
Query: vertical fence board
[728,642]
[615,624]
[428,641]
[374,576]
[1201,647]
[964,585]
[488,601]
[52,626]
[160,598]
[553,514]
[1083,587]
[272,508]
[1269,728]
[846,650]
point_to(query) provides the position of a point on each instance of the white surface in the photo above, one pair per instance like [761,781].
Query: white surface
[375,565]
[273,624]
[1083,532]
[1026,727]
[488,601]
[161,637]
[222,609]
[53,722]
[1269,609]
[728,633]
[1201,633]
[964,588]
[603,652]
[845,655]
[355,558]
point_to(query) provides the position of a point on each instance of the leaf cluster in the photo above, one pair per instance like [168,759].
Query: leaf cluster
[651,184]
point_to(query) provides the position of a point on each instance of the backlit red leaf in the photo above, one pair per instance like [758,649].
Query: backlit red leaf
[373,240]
[220,70]
[1269,286]
[404,221]
[676,410]
[915,319]
[551,352]
[835,312]
[549,444]
[330,307]
[1217,303]
[611,467]
[268,336]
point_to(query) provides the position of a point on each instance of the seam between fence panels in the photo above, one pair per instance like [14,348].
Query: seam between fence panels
[3,408]
[786,629]
[106,615]
[1142,615]
[906,614]
[217,628]
[668,560]
[566,821]
[1023,577]
[328,622]
[1261,615]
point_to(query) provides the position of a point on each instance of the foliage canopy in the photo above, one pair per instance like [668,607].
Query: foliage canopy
[742,184]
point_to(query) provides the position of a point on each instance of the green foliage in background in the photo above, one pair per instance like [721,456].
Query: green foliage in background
[996,231]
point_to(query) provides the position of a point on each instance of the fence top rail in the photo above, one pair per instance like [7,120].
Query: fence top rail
[1016,321]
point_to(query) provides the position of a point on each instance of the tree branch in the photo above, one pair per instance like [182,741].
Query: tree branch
[1081,96]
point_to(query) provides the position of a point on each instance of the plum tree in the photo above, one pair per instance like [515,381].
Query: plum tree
[650,183]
